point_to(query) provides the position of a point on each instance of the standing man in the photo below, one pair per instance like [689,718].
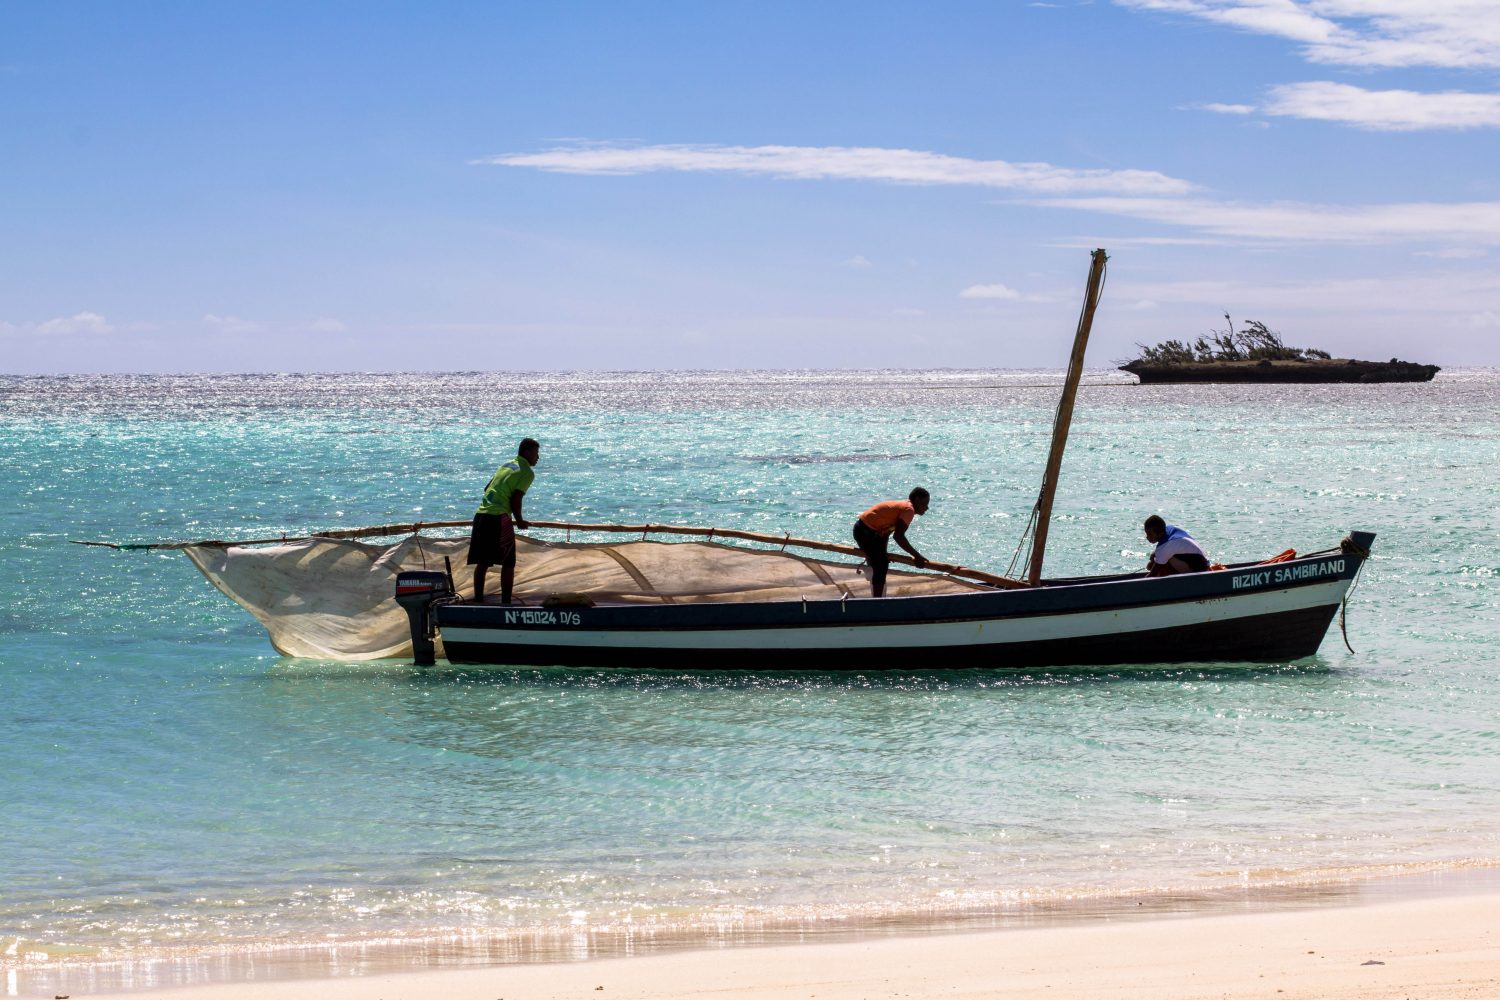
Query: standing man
[1175,552]
[873,530]
[493,538]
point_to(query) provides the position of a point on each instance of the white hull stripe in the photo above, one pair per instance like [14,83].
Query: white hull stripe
[993,632]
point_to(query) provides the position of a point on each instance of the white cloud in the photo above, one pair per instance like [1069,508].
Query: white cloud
[79,323]
[1473,223]
[1458,294]
[1374,33]
[1283,18]
[1376,110]
[1459,222]
[1487,320]
[1121,242]
[858,260]
[908,311]
[229,324]
[898,166]
[1387,110]
[327,324]
[1228,109]
[996,291]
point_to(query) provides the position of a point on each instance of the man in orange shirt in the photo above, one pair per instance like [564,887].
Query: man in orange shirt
[873,530]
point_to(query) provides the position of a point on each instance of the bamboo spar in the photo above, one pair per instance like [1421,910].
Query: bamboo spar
[1065,416]
[631,529]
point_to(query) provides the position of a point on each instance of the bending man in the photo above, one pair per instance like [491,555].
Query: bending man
[873,531]
[493,538]
[1176,551]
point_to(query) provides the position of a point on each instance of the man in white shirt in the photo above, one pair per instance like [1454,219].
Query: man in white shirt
[1176,551]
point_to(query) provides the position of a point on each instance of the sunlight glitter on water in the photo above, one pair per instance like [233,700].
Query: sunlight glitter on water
[221,801]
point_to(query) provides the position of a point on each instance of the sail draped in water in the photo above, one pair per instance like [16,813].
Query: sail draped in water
[332,598]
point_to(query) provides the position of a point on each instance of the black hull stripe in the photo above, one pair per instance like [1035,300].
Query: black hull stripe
[1278,637]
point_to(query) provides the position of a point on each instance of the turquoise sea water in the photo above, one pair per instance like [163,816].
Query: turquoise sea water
[178,803]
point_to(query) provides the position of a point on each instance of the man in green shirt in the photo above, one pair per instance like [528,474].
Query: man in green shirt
[493,537]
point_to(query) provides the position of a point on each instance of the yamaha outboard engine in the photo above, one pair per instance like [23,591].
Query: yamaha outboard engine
[416,591]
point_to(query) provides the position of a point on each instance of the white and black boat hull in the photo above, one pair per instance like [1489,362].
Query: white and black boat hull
[1274,612]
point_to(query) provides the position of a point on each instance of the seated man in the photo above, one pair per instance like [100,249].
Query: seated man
[1176,552]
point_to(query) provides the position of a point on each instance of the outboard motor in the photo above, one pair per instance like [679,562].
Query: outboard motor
[416,591]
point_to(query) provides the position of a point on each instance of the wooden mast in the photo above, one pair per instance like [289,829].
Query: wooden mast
[1065,416]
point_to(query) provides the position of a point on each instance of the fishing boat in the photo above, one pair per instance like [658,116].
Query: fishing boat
[1271,611]
[712,603]
[1251,612]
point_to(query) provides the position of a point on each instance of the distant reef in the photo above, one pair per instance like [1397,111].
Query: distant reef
[1257,354]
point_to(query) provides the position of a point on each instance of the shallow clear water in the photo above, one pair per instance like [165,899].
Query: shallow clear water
[174,792]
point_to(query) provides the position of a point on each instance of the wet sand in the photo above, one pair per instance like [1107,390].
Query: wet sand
[1430,948]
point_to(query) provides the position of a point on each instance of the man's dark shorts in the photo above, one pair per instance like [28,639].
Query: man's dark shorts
[492,541]
[875,546]
[1195,562]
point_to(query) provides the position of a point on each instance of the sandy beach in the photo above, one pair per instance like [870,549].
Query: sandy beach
[1426,948]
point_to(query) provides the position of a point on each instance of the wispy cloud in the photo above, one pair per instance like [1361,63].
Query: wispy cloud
[1456,223]
[1387,110]
[1451,308]
[1371,33]
[1377,110]
[84,323]
[1458,296]
[229,324]
[1133,194]
[897,166]
[858,261]
[1228,109]
[1117,242]
[995,291]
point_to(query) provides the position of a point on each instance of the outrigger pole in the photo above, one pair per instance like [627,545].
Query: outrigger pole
[1065,416]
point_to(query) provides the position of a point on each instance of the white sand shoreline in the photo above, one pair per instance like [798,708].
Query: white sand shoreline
[1425,947]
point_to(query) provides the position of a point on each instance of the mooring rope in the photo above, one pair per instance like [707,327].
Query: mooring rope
[1348,547]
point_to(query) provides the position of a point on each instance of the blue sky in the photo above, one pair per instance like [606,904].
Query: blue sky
[492,186]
